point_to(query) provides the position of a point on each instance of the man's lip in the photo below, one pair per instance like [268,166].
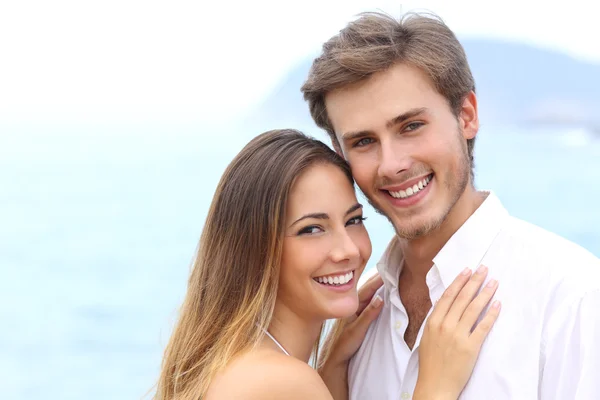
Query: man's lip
[405,185]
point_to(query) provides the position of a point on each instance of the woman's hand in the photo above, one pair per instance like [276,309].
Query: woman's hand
[451,339]
[350,336]
[346,337]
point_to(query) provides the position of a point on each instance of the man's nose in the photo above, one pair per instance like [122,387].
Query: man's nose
[392,160]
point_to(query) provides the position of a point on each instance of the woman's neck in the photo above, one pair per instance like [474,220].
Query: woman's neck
[297,335]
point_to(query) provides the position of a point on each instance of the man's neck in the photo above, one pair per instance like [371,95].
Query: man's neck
[419,253]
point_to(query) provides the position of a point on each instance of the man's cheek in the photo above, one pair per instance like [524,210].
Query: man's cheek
[364,175]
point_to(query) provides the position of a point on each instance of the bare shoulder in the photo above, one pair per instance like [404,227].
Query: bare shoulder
[268,375]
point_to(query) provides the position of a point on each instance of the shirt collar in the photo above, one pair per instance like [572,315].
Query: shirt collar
[466,248]
[390,264]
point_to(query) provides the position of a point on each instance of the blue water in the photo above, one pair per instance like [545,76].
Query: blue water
[98,225]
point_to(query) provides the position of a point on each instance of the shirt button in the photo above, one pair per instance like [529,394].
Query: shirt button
[405,396]
[398,325]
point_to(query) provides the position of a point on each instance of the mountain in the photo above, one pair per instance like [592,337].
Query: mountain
[515,83]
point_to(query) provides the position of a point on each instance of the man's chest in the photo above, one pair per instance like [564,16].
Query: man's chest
[386,368]
[417,304]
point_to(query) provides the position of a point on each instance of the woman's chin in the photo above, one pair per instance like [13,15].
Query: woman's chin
[342,308]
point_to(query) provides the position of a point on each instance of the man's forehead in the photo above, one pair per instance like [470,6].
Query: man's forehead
[358,106]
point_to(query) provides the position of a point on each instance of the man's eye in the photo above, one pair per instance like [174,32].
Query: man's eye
[363,142]
[413,126]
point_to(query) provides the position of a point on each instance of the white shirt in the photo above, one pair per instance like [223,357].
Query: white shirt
[546,341]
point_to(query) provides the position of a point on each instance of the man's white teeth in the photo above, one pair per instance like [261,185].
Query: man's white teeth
[411,191]
[336,280]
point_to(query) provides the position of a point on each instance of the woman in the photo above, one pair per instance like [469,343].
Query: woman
[281,252]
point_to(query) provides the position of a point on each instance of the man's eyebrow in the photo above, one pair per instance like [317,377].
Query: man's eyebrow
[324,215]
[349,136]
[404,116]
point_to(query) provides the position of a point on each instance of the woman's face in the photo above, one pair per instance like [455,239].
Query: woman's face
[326,246]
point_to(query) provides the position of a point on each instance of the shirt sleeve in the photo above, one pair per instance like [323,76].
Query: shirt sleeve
[571,357]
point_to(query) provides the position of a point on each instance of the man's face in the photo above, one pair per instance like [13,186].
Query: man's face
[407,149]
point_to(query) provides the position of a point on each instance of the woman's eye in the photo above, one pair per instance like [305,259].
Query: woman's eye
[310,230]
[363,142]
[356,220]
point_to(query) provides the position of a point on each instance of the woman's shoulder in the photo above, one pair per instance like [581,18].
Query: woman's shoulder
[267,374]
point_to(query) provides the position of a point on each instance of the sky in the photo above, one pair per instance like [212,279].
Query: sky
[134,60]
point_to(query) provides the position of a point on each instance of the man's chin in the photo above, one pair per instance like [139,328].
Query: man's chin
[413,234]
[415,228]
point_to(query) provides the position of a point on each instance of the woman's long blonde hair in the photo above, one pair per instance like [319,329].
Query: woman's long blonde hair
[233,284]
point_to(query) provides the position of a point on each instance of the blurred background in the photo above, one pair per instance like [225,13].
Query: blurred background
[118,117]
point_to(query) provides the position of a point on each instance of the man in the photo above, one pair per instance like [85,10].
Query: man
[398,101]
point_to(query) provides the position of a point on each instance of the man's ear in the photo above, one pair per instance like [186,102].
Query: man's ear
[468,118]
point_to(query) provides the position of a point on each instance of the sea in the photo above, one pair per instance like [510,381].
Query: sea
[99,223]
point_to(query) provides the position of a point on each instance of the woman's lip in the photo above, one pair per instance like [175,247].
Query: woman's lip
[338,288]
[334,274]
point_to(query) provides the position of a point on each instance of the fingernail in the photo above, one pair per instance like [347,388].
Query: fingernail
[482,269]
[377,301]
[492,283]
[466,271]
[496,304]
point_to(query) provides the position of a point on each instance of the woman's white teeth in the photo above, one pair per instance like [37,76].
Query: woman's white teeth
[336,280]
[411,191]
